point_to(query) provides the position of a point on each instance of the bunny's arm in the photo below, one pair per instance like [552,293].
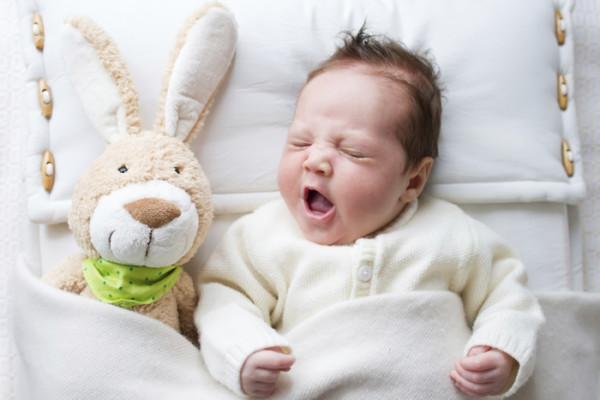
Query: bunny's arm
[68,274]
[187,300]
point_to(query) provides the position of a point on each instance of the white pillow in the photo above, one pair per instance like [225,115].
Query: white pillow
[502,127]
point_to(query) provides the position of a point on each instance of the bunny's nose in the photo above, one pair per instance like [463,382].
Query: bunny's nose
[153,212]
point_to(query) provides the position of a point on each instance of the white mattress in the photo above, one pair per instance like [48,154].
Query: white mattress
[546,234]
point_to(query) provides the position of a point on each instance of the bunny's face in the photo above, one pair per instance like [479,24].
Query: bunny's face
[144,201]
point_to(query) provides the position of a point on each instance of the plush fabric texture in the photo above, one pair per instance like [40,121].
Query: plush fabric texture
[187,95]
[265,275]
[175,308]
[147,157]
[143,172]
[94,65]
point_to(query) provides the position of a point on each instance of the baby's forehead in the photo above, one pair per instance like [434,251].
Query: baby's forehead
[392,82]
[393,77]
[376,70]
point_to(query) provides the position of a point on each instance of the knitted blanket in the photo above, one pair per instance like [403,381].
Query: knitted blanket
[77,348]
[382,347]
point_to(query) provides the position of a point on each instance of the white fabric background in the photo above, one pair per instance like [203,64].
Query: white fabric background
[587,57]
[11,79]
[587,85]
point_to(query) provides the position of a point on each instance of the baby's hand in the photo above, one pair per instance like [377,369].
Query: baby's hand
[261,370]
[484,371]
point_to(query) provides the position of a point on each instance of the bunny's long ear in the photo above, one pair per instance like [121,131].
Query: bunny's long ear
[100,77]
[199,61]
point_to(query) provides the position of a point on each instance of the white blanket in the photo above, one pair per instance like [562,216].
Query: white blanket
[76,348]
[568,358]
[404,348]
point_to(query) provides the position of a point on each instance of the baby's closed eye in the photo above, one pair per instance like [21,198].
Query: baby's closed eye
[299,144]
[353,153]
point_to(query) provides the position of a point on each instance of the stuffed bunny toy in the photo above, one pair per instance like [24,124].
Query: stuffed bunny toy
[143,208]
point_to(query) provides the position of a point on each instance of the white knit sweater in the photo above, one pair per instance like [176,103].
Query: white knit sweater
[265,279]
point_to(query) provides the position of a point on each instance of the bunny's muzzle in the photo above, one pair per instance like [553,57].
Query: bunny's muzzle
[151,224]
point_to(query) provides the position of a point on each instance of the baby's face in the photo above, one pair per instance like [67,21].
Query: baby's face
[342,171]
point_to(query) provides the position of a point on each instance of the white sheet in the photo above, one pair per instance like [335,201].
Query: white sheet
[540,234]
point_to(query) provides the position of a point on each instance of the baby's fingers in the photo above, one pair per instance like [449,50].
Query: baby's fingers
[261,371]
[267,376]
[479,377]
[481,362]
[476,350]
[274,359]
[471,388]
[259,382]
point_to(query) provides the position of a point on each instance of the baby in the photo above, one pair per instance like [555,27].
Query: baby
[356,159]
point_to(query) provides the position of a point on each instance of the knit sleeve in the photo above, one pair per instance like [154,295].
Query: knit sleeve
[503,312]
[233,315]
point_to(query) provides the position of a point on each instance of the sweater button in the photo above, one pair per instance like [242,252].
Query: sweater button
[365,273]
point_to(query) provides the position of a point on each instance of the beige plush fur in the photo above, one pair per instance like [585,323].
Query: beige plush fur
[108,54]
[175,309]
[148,156]
[179,42]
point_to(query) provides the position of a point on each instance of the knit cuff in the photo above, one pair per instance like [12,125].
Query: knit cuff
[228,336]
[520,344]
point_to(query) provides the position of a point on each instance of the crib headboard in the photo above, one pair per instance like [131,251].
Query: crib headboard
[509,148]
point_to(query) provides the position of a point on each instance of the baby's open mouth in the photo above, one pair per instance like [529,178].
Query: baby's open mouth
[316,202]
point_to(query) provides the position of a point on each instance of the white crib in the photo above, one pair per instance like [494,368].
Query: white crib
[511,155]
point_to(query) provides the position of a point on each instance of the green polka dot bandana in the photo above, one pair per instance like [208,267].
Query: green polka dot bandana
[126,285]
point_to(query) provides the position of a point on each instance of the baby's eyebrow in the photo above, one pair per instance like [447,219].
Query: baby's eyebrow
[299,130]
[298,138]
[357,137]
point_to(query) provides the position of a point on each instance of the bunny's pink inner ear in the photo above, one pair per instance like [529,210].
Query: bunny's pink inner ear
[199,62]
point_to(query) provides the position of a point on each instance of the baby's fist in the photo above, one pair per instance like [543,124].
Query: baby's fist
[483,372]
[261,371]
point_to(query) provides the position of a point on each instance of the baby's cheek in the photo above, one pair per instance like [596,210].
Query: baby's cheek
[288,175]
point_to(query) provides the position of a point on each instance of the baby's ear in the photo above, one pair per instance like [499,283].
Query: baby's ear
[418,176]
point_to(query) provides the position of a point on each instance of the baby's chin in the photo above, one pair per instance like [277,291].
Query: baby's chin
[327,237]
[336,234]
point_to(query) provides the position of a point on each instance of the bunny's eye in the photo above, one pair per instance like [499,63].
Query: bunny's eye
[177,170]
[122,169]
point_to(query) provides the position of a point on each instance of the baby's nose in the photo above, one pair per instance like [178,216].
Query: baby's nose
[318,162]
[153,212]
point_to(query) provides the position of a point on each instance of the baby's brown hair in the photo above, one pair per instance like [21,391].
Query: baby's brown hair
[414,72]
